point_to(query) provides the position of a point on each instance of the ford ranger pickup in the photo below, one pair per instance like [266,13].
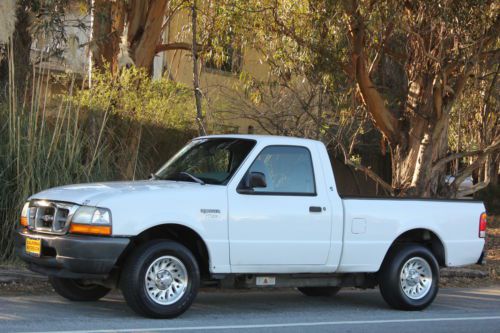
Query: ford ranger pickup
[243,211]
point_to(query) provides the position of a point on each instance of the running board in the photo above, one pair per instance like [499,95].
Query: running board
[247,281]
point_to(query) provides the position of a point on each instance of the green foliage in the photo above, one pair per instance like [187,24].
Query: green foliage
[133,95]
[81,135]
[304,47]
[474,119]
[49,23]
[421,56]
[43,147]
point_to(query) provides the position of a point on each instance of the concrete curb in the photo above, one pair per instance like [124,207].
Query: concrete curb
[461,272]
[19,274]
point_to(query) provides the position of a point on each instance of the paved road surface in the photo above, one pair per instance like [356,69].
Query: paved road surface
[455,310]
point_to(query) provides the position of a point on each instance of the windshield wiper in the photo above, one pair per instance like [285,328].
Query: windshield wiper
[196,179]
[176,177]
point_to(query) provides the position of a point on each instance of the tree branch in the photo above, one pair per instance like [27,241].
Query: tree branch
[372,175]
[385,121]
[472,190]
[476,164]
[378,55]
[368,172]
[488,150]
[455,156]
[175,46]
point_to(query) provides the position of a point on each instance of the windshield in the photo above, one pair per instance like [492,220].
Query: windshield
[212,161]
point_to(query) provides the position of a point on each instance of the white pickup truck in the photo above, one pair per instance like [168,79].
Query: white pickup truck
[243,211]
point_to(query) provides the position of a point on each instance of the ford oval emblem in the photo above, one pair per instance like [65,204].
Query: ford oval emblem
[47,218]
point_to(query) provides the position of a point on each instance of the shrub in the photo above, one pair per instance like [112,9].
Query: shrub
[41,148]
[133,95]
[85,135]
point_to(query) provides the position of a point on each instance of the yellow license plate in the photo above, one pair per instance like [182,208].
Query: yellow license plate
[34,246]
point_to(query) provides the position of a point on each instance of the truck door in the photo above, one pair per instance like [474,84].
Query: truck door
[285,222]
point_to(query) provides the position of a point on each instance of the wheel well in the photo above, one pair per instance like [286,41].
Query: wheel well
[179,233]
[424,237]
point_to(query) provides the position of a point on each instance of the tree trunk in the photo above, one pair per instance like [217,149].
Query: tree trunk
[196,79]
[413,171]
[144,31]
[144,20]
[417,135]
[494,167]
[107,28]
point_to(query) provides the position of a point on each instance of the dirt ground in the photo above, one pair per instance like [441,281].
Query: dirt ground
[492,267]
[493,247]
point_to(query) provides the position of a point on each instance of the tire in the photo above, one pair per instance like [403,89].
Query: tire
[157,269]
[74,290]
[416,287]
[319,291]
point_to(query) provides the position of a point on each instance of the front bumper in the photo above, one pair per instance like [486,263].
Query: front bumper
[72,256]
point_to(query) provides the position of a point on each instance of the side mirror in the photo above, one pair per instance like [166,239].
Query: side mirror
[256,180]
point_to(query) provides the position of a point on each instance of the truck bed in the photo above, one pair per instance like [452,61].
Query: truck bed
[372,224]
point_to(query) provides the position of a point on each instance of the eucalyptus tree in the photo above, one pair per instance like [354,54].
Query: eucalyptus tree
[408,62]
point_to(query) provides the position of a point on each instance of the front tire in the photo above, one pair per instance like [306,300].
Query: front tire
[319,291]
[75,290]
[409,278]
[160,279]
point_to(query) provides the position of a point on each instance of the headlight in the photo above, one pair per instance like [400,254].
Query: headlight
[24,215]
[91,220]
[92,215]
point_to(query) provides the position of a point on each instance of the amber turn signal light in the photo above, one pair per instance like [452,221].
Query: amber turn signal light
[24,221]
[101,230]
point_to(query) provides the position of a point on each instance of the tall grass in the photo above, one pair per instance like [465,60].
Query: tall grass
[81,135]
[43,144]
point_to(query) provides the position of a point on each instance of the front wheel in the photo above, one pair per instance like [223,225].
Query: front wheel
[160,279]
[409,277]
[76,290]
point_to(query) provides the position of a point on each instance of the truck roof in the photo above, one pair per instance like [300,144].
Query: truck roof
[274,139]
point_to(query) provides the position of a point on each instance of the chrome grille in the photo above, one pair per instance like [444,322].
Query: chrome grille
[50,217]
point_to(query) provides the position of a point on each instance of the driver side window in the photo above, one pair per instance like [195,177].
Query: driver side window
[287,170]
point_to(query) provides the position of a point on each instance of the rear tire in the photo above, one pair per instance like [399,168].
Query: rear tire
[409,278]
[75,290]
[160,279]
[319,291]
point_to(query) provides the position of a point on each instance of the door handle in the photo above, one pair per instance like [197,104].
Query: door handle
[315,209]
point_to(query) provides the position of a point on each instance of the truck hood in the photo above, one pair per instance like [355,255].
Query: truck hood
[93,193]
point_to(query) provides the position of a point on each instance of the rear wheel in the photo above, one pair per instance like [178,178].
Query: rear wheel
[76,290]
[409,278]
[319,291]
[160,279]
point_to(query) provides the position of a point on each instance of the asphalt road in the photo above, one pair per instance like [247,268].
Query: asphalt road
[455,310]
